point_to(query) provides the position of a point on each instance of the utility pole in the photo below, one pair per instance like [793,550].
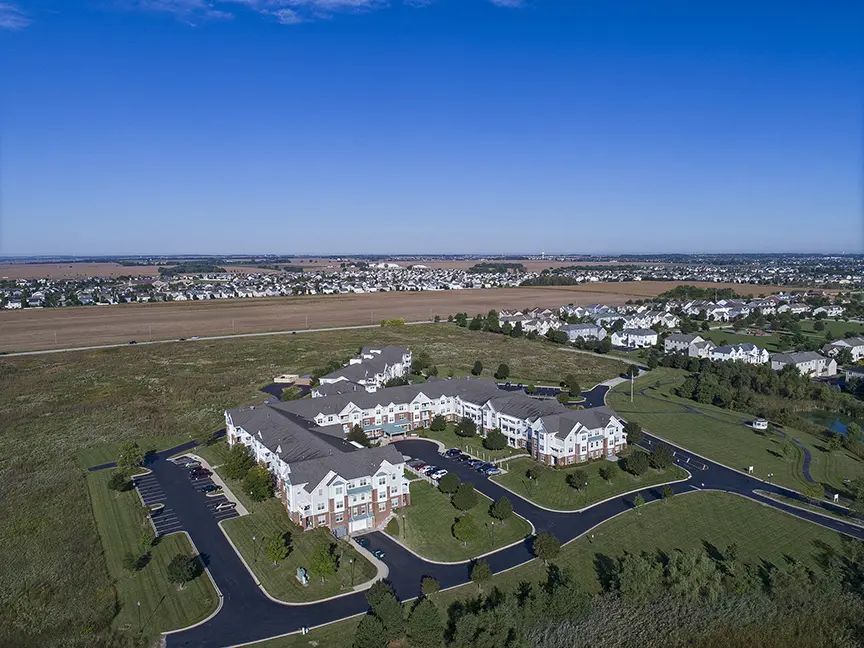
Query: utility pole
[139,617]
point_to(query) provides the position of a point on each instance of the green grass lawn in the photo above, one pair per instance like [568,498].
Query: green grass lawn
[270,518]
[56,405]
[724,436]
[430,517]
[551,489]
[687,522]
[107,452]
[812,507]
[470,445]
[121,519]
[717,336]
[836,327]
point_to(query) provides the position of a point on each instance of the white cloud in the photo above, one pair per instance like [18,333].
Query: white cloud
[287,12]
[11,17]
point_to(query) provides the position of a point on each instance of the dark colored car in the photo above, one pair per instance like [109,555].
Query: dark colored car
[132,342]
[462,457]
[200,473]
[211,488]
[452,452]
[363,542]
[416,463]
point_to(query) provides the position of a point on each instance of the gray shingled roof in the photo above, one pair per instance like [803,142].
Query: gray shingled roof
[638,331]
[686,338]
[352,465]
[597,417]
[795,358]
[389,355]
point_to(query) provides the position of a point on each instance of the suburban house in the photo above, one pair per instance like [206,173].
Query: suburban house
[809,363]
[855,346]
[691,345]
[584,331]
[746,352]
[832,310]
[322,479]
[371,369]
[574,437]
[634,338]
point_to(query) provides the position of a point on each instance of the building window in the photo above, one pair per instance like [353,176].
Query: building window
[382,506]
[394,501]
[321,507]
[338,490]
[339,517]
[322,519]
[382,481]
[363,509]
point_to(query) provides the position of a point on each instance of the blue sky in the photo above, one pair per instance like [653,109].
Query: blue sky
[340,126]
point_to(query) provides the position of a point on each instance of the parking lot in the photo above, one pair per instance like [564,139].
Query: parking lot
[164,519]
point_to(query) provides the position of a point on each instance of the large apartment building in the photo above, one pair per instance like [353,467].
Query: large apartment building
[324,480]
[369,371]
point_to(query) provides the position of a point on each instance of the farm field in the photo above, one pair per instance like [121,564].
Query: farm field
[687,522]
[56,406]
[724,436]
[56,328]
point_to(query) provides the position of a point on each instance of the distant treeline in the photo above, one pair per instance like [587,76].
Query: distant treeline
[694,292]
[192,267]
[498,267]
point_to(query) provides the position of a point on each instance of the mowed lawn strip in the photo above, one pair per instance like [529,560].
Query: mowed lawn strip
[725,436]
[269,519]
[687,522]
[121,520]
[430,519]
[551,490]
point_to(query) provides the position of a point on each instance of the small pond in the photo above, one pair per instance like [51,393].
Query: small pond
[832,421]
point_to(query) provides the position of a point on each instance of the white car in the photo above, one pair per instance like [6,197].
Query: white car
[438,474]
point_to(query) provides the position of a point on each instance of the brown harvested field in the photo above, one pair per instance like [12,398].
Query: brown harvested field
[32,329]
[85,270]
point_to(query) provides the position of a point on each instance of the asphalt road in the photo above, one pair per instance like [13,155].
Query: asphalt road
[248,615]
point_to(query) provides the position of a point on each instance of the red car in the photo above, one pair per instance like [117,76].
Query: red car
[200,473]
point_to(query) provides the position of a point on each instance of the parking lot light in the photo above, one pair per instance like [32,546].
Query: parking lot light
[255,545]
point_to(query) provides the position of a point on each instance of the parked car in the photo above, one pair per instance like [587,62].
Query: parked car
[473,463]
[363,542]
[438,474]
[420,466]
[483,466]
[181,460]
[211,488]
[192,464]
[415,463]
[200,474]
[463,457]
[226,505]
[494,470]
[379,554]
[428,470]
[452,452]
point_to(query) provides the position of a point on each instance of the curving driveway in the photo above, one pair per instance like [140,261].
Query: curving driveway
[247,615]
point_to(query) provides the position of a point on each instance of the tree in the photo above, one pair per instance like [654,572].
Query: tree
[480,573]
[819,325]
[577,479]
[370,633]
[131,456]
[835,442]
[638,577]
[662,457]
[465,497]
[634,433]
[466,427]
[464,529]
[495,440]
[502,372]
[501,509]
[668,492]
[182,569]
[439,423]
[476,323]
[563,398]
[491,323]
[277,548]
[636,463]
[258,483]
[449,483]
[546,547]
[517,330]
[608,471]
[358,435]
[130,561]
[477,369]
[379,590]
[425,629]
[572,385]
[530,389]
[238,462]
[389,610]
[118,481]
[429,586]
[844,357]
[638,501]
[323,562]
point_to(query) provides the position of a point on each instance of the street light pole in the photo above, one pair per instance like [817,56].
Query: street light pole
[255,545]
[405,525]
[139,617]
[351,562]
